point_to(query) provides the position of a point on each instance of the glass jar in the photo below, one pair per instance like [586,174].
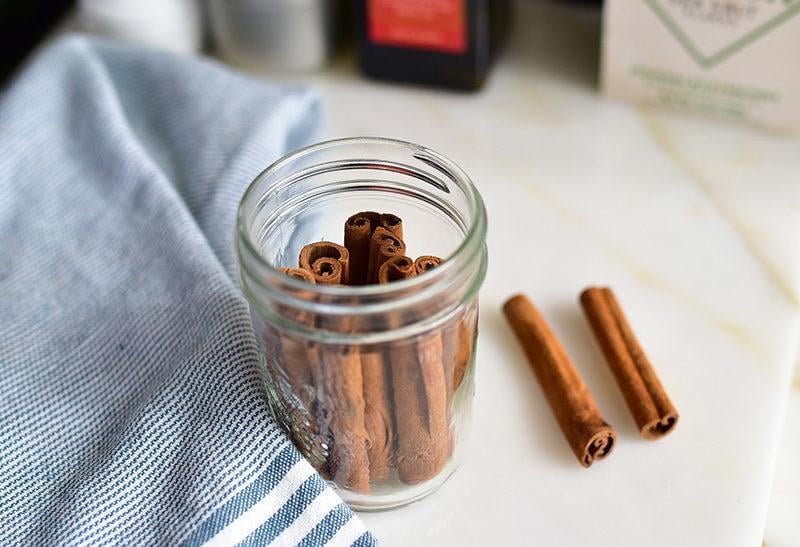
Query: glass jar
[373,383]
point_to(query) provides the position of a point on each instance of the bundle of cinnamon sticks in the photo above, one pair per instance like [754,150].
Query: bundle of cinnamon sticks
[365,414]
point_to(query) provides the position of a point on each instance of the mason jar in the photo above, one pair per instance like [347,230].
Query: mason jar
[373,383]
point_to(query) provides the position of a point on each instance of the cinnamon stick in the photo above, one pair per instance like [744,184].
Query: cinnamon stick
[378,420]
[313,252]
[298,361]
[358,230]
[357,235]
[383,246]
[589,436]
[343,403]
[393,224]
[419,392]
[426,263]
[294,352]
[378,413]
[327,271]
[458,337]
[646,398]
[336,371]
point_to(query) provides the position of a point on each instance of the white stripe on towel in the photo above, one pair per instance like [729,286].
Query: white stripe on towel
[249,521]
[306,522]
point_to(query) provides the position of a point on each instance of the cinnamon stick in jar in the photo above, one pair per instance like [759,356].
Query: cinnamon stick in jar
[458,337]
[343,403]
[589,436]
[298,360]
[336,371]
[378,420]
[358,231]
[393,224]
[383,246]
[319,258]
[419,392]
[646,398]
[294,352]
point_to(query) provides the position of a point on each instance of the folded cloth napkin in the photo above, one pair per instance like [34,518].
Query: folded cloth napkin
[132,408]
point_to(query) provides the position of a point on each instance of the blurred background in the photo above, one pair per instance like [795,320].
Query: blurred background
[444,44]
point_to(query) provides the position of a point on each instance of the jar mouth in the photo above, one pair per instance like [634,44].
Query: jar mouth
[259,275]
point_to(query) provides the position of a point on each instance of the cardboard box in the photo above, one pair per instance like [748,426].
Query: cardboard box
[738,60]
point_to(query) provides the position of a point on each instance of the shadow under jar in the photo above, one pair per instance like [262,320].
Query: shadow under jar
[373,383]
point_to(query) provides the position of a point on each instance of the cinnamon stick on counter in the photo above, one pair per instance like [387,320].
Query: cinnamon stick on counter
[419,392]
[589,436]
[645,396]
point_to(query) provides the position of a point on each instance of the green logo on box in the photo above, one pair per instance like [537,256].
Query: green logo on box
[712,31]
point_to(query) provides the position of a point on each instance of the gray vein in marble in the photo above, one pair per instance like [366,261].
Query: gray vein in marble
[645,275]
[661,137]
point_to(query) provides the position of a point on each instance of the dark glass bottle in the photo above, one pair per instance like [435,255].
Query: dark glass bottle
[449,43]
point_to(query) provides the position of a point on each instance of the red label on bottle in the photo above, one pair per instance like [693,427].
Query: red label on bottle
[435,25]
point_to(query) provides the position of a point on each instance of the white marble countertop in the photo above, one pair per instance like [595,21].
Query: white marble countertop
[694,223]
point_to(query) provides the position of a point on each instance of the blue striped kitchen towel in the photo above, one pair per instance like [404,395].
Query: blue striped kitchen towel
[132,409]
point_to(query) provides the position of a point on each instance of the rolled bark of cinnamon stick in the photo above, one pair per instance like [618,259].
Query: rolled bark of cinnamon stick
[343,399]
[419,392]
[458,337]
[378,419]
[310,257]
[383,246]
[336,371]
[358,231]
[646,398]
[300,363]
[393,224]
[589,436]
[295,352]
[327,271]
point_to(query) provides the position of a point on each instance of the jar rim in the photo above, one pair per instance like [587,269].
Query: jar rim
[473,239]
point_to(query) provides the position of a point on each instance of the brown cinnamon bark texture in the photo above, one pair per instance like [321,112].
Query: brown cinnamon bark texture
[294,351]
[358,230]
[426,263]
[299,361]
[327,271]
[378,419]
[343,401]
[645,396]
[419,392]
[336,371]
[383,246]
[393,224]
[323,274]
[458,337]
[589,436]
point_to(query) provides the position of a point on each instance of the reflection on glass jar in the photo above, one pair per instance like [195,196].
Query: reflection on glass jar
[373,383]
